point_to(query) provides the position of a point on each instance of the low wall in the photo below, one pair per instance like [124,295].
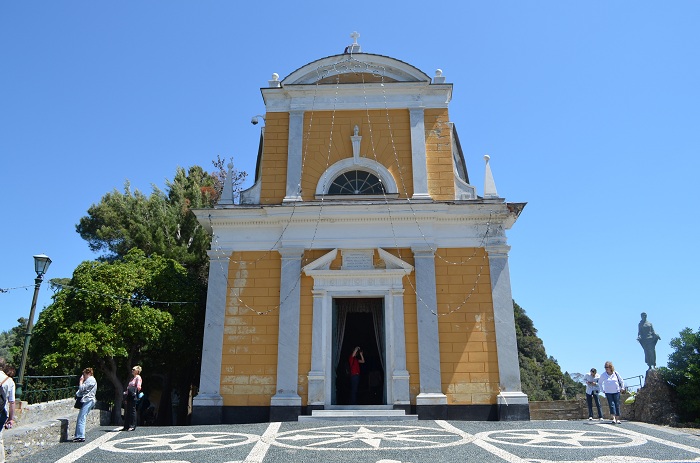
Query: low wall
[576,409]
[40,426]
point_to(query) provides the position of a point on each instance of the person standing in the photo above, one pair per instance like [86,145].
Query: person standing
[131,395]
[7,414]
[648,338]
[356,358]
[592,391]
[612,385]
[87,388]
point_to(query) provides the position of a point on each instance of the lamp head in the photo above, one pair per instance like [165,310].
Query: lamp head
[41,264]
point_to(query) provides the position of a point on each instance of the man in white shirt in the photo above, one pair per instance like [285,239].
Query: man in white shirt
[7,415]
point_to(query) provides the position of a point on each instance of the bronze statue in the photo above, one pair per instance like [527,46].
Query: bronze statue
[647,337]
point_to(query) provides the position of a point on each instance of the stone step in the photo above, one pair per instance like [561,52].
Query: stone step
[360,413]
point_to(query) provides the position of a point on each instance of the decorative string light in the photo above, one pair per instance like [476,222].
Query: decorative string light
[7,290]
[60,287]
[352,65]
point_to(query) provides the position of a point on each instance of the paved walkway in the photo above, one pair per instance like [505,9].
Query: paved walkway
[414,442]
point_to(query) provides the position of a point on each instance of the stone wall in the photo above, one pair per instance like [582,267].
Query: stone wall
[40,426]
[576,409]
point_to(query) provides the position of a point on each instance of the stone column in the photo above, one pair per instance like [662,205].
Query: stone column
[294,155]
[320,350]
[418,154]
[207,407]
[431,403]
[512,402]
[285,405]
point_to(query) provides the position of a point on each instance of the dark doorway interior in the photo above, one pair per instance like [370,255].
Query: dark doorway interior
[359,331]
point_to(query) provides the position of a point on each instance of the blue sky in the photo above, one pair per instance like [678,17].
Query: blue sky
[590,112]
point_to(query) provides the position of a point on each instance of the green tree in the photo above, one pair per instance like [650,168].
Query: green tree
[683,373]
[161,223]
[113,315]
[12,342]
[541,376]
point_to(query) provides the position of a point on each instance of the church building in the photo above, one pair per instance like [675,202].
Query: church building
[361,229]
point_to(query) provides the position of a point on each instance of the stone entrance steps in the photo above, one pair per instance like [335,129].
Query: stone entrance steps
[359,413]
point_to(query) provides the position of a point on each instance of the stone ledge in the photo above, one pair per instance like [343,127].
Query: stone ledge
[40,426]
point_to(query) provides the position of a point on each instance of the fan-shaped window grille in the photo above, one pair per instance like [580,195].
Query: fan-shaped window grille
[356,182]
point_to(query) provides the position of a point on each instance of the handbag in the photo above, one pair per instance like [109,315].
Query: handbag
[78,404]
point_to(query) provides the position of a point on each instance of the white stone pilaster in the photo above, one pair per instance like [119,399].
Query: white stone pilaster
[294,154]
[428,337]
[418,154]
[288,337]
[504,319]
[319,351]
[396,346]
[212,349]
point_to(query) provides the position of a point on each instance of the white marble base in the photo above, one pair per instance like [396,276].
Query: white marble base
[431,398]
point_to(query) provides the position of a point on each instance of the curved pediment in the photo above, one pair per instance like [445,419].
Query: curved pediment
[355,68]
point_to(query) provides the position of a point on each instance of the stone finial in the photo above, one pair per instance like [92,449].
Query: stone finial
[275,81]
[355,47]
[489,184]
[227,192]
[439,78]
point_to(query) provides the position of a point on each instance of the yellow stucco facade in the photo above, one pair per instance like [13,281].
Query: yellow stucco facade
[362,229]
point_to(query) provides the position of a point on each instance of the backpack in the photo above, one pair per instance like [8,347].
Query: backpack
[3,402]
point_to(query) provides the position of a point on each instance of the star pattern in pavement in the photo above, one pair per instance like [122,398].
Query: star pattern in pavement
[560,438]
[368,437]
[180,442]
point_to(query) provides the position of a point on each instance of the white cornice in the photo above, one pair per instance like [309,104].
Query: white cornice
[396,95]
[327,226]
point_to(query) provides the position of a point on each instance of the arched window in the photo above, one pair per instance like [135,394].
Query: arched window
[356,182]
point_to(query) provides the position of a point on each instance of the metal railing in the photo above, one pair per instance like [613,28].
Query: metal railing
[46,388]
[634,386]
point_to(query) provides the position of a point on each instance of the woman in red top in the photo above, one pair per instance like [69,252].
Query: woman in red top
[131,396]
[356,358]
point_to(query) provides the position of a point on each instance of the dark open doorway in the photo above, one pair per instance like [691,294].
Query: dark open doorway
[362,326]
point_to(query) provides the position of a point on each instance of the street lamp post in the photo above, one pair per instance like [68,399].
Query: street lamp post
[41,265]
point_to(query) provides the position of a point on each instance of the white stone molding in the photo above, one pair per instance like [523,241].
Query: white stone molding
[418,154]
[386,283]
[390,68]
[349,164]
[212,349]
[294,155]
[428,336]
[252,194]
[463,190]
[288,336]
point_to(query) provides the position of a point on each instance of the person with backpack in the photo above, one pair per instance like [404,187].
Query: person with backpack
[7,404]
[87,388]
[612,385]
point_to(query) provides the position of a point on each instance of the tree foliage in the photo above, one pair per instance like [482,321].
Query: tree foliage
[161,223]
[114,315]
[540,375]
[683,373]
[12,342]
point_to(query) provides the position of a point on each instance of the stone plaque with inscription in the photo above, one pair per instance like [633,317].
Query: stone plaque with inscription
[357,259]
